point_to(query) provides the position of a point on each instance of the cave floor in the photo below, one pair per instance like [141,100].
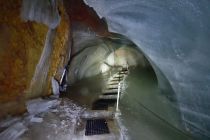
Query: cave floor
[56,118]
[63,121]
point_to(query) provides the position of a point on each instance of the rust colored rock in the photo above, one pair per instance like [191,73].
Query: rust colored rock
[21,45]
[78,11]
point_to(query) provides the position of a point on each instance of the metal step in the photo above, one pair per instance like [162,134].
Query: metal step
[123,72]
[117,76]
[96,127]
[99,114]
[116,83]
[102,104]
[124,69]
[110,93]
[112,88]
[108,97]
[113,80]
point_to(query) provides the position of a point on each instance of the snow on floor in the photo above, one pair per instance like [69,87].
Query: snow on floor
[13,132]
[47,119]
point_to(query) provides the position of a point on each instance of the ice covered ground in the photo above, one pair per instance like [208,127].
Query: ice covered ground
[47,119]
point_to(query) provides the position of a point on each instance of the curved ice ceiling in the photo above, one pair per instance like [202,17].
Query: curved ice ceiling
[175,36]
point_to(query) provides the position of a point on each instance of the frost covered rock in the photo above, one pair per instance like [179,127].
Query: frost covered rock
[13,132]
[36,119]
[40,105]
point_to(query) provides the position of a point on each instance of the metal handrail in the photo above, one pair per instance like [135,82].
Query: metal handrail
[118,97]
[119,92]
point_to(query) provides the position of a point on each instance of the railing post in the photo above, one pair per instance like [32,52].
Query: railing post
[118,96]
[63,74]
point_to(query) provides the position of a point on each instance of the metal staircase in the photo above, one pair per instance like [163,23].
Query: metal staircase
[106,102]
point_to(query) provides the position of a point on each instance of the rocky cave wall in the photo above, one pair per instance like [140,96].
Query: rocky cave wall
[21,46]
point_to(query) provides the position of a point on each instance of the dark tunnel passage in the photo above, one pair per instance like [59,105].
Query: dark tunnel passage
[105,70]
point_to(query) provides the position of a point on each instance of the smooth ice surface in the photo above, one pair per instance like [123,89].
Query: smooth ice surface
[40,105]
[146,113]
[174,35]
[13,132]
[36,119]
[9,121]
[41,11]
[55,86]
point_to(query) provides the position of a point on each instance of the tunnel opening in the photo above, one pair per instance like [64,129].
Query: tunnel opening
[103,57]
[96,71]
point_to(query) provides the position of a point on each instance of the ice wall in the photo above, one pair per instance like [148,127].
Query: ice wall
[174,35]
[41,11]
